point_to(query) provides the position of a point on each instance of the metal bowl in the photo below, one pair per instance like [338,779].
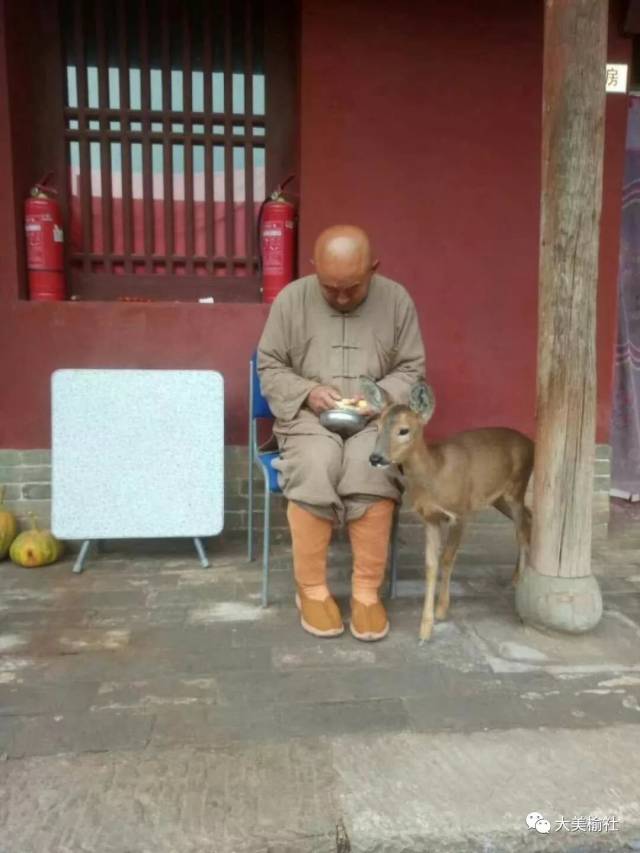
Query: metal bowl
[342,421]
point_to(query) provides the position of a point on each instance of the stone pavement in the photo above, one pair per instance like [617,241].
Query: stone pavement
[152,705]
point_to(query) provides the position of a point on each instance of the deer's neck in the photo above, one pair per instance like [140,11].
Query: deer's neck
[420,468]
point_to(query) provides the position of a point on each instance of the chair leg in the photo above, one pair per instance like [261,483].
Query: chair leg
[251,463]
[394,555]
[202,554]
[266,534]
[250,552]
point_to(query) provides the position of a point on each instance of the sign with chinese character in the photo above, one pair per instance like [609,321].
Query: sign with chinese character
[617,78]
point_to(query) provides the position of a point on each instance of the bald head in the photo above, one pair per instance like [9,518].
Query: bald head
[342,247]
[344,264]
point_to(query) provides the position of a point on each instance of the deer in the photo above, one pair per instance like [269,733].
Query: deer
[448,480]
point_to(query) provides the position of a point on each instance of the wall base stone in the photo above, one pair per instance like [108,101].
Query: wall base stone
[26,475]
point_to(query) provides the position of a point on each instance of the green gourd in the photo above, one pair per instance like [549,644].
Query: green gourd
[8,527]
[34,548]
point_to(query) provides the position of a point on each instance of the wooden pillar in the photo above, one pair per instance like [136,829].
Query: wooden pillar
[558,589]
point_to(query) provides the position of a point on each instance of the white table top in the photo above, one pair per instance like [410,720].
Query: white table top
[137,453]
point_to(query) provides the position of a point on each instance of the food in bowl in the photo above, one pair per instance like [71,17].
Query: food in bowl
[351,404]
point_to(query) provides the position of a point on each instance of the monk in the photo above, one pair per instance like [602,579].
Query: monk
[323,332]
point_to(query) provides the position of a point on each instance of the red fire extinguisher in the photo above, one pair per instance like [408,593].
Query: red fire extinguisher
[45,243]
[276,232]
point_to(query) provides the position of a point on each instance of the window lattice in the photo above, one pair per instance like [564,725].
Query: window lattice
[166,136]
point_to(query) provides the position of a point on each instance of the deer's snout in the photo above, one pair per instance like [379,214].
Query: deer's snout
[377,460]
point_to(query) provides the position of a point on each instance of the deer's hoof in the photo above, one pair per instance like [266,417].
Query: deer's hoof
[442,613]
[426,629]
[515,577]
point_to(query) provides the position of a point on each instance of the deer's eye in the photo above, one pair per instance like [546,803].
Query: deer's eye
[404,431]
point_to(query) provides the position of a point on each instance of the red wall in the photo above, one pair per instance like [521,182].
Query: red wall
[420,122]
[43,337]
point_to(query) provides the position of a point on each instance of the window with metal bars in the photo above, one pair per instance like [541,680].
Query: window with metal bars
[170,139]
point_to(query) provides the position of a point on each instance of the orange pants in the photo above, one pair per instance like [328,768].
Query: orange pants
[369,535]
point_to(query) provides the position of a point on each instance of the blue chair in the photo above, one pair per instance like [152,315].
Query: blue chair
[259,410]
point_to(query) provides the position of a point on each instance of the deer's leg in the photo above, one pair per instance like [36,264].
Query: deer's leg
[432,554]
[524,540]
[447,562]
[515,509]
[505,508]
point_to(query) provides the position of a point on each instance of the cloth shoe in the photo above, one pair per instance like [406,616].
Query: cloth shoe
[368,621]
[320,618]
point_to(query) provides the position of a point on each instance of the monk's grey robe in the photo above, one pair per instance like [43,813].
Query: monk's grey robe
[307,343]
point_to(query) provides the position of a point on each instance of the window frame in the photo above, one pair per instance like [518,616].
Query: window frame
[281,44]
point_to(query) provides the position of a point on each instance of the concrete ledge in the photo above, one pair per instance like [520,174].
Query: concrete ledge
[407,793]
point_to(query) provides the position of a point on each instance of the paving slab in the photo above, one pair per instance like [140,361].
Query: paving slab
[77,731]
[153,693]
[451,792]
[511,646]
[233,800]
[21,699]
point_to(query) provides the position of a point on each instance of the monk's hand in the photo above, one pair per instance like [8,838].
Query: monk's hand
[323,398]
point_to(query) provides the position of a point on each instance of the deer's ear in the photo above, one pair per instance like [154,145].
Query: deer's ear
[373,394]
[422,400]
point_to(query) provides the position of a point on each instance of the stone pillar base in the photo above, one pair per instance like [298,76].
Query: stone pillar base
[572,605]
